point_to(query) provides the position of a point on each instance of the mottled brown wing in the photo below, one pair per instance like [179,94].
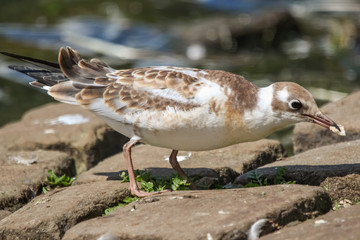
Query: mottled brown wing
[97,86]
[144,89]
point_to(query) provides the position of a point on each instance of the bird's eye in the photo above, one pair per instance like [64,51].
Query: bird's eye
[295,104]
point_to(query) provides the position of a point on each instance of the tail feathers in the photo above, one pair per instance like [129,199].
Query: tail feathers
[71,67]
[65,80]
[56,84]
[79,70]
[43,77]
[46,73]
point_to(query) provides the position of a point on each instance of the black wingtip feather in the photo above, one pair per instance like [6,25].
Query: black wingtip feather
[37,62]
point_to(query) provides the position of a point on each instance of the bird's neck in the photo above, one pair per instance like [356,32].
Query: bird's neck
[261,120]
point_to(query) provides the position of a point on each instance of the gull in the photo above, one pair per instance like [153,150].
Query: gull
[177,108]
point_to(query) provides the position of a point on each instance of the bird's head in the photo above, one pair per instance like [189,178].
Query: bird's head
[294,103]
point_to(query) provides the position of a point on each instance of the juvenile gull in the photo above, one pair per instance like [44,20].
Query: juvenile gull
[174,107]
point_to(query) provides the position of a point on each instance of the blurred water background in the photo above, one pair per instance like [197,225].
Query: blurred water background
[313,43]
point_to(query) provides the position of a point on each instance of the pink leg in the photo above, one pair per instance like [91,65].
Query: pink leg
[134,188]
[176,166]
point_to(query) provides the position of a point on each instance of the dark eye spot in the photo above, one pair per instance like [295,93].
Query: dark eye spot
[295,104]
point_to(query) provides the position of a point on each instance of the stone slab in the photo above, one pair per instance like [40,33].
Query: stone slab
[65,128]
[225,163]
[341,224]
[22,174]
[49,215]
[345,112]
[315,165]
[215,214]
[4,213]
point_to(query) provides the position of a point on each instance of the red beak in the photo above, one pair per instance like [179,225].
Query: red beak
[323,120]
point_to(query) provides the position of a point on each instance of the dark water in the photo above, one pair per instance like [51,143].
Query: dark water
[313,43]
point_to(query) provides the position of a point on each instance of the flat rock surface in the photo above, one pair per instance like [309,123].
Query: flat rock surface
[215,214]
[63,127]
[22,174]
[335,225]
[49,216]
[314,166]
[238,158]
[4,213]
[345,112]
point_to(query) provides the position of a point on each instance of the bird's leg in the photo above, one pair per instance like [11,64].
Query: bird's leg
[134,188]
[176,166]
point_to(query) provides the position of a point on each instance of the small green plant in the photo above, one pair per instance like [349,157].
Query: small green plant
[279,177]
[179,183]
[258,179]
[218,185]
[53,181]
[149,183]
[124,202]
[124,177]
